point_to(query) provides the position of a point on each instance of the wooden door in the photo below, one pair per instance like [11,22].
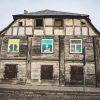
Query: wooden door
[46,72]
[10,71]
[76,74]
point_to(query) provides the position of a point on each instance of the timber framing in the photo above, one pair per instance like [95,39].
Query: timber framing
[36,59]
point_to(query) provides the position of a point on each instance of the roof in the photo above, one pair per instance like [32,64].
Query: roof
[49,13]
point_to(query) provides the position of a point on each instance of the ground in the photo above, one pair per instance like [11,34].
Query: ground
[6,94]
[30,92]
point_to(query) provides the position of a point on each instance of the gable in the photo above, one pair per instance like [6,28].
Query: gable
[71,26]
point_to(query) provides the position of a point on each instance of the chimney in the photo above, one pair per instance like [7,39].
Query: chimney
[25,11]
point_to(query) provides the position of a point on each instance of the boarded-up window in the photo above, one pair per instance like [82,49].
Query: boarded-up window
[47,72]
[58,23]
[76,73]
[10,71]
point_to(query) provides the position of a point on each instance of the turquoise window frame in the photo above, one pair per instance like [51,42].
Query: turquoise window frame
[45,43]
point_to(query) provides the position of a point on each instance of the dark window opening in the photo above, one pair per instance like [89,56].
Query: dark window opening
[76,74]
[39,22]
[46,72]
[10,71]
[20,23]
[83,23]
[58,23]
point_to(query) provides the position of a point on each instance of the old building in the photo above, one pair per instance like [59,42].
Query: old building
[49,48]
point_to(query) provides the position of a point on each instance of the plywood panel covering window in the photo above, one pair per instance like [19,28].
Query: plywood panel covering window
[76,73]
[10,71]
[58,23]
[46,72]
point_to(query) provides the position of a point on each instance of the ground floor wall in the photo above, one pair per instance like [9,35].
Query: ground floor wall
[42,74]
[87,73]
[47,72]
[21,71]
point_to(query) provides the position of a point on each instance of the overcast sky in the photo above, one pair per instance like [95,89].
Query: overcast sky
[11,7]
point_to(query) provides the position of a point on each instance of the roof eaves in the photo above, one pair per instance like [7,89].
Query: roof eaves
[29,15]
[6,27]
[95,29]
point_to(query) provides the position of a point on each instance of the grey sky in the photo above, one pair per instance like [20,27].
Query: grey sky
[11,7]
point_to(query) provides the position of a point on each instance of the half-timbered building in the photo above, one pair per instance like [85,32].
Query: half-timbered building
[50,48]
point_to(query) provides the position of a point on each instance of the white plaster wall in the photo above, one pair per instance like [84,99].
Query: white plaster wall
[59,31]
[29,31]
[84,31]
[69,30]
[38,32]
[48,22]
[29,22]
[21,31]
[68,22]
[49,30]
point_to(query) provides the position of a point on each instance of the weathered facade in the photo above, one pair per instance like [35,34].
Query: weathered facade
[46,48]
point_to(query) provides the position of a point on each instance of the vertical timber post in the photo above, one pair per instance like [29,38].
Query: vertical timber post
[28,67]
[61,61]
[84,63]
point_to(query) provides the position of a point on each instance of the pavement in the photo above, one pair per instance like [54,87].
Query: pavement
[50,88]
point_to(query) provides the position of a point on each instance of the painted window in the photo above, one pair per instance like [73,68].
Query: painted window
[47,46]
[13,45]
[75,45]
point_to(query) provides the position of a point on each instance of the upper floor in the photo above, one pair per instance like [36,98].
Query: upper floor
[49,22]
